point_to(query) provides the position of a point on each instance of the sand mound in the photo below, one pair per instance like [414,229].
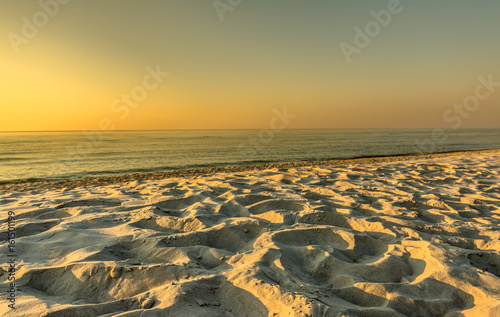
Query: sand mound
[413,238]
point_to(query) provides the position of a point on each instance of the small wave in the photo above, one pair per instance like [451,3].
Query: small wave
[4,159]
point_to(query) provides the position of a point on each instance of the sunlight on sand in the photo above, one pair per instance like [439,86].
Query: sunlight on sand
[414,238]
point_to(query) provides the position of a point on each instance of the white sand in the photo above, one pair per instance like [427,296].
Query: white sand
[409,238]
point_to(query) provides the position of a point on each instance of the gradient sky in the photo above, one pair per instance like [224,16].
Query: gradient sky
[233,73]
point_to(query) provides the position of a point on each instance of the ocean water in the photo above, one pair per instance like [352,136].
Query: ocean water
[33,156]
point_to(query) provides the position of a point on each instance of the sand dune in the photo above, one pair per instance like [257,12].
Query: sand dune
[402,238]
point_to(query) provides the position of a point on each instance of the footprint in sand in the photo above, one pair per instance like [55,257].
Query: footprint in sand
[90,203]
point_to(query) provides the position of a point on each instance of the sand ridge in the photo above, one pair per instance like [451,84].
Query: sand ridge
[399,238]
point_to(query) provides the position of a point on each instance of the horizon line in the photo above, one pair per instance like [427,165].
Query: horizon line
[152,130]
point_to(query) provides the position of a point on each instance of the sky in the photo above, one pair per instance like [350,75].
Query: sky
[232,64]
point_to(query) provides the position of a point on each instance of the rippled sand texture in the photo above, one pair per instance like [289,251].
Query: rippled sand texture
[413,238]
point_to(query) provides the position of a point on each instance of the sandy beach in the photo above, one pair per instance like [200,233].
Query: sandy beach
[398,236]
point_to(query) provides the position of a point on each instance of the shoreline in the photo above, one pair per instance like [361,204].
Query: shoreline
[109,180]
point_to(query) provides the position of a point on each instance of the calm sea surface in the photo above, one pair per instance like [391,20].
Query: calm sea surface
[33,156]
